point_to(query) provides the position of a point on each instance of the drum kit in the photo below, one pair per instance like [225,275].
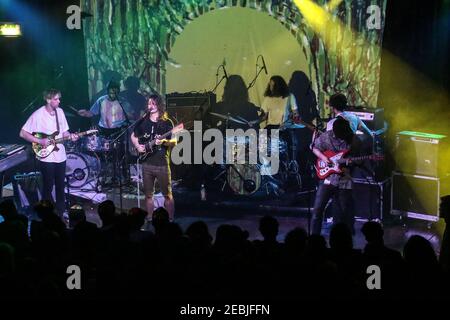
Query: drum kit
[92,160]
[249,178]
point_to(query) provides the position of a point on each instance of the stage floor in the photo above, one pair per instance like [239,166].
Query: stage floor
[246,214]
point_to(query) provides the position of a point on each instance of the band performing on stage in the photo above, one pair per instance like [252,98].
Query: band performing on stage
[309,153]
[191,151]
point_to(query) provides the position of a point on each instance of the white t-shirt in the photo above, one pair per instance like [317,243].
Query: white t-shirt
[42,121]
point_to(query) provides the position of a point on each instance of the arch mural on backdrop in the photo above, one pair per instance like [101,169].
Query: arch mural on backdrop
[135,38]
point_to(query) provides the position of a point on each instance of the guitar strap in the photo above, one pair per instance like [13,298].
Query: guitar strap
[57,128]
[57,122]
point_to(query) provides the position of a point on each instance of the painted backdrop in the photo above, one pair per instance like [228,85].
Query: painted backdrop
[177,45]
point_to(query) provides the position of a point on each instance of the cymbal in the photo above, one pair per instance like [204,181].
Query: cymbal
[250,123]
[224,117]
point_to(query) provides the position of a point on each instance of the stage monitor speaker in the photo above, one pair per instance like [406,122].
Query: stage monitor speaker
[186,107]
[421,153]
[418,196]
[28,189]
[371,200]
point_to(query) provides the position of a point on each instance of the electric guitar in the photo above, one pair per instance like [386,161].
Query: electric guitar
[150,145]
[323,169]
[43,152]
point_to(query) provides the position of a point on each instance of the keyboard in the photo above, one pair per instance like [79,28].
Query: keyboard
[12,155]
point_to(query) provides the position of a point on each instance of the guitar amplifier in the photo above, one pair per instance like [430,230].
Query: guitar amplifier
[421,153]
[186,107]
[368,169]
[372,117]
[371,200]
[417,196]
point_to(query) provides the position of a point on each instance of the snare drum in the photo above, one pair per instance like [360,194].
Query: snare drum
[96,144]
[72,146]
[91,143]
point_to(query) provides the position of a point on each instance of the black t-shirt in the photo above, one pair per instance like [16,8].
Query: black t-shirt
[146,131]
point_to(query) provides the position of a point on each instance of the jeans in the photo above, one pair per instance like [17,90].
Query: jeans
[54,174]
[343,204]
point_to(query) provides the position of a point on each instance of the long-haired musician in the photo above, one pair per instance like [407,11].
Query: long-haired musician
[156,166]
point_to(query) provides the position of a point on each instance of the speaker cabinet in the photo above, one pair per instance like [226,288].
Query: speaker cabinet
[371,200]
[418,196]
[421,154]
[186,107]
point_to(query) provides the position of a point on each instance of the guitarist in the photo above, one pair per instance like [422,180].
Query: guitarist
[156,166]
[338,186]
[49,119]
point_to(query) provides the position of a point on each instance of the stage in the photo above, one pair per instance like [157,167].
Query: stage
[290,211]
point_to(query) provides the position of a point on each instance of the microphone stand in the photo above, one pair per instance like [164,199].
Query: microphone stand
[217,83]
[114,143]
[252,83]
[31,104]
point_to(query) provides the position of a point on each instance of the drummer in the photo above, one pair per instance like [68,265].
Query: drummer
[235,104]
[114,111]
[281,110]
[279,105]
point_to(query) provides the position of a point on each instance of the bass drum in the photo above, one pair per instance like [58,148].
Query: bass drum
[82,169]
[244,179]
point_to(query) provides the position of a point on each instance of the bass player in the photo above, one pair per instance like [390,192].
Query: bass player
[337,185]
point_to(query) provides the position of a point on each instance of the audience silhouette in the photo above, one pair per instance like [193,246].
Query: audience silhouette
[123,259]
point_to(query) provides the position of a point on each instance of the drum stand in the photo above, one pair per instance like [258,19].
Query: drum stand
[68,192]
[273,184]
[291,163]
[224,171]
[116,146]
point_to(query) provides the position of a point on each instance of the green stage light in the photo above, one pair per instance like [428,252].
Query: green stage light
[10,29]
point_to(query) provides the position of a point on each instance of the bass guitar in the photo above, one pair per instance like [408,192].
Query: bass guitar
[43,152]
[324,169]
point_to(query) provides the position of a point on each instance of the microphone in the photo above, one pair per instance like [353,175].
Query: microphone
[224,71]
[145,114]
[264,64]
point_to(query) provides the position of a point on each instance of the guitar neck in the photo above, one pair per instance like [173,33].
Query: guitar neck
[355,158]
[60,140]
[163,136]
